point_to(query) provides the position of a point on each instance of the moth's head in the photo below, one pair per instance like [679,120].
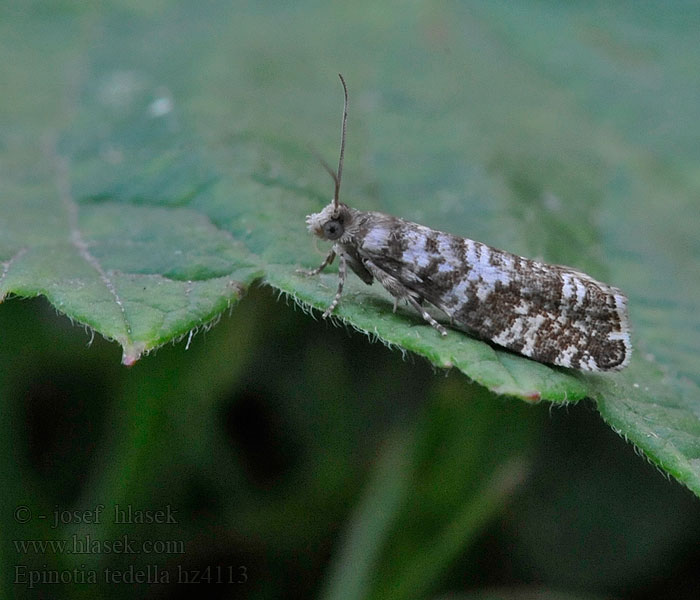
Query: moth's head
[331,223]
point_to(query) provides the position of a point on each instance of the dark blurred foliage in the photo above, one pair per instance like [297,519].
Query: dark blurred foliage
[275,438]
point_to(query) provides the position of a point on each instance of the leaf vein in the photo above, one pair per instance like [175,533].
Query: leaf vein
[8,264]
[76,238]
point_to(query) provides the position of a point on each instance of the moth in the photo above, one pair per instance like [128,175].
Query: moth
[550,313]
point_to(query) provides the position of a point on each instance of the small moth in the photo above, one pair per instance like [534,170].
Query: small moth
[551,313]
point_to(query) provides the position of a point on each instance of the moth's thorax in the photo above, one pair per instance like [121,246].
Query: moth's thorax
[331,220]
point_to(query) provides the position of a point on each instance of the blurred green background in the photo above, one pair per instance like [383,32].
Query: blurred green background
[324,465]
[297,459]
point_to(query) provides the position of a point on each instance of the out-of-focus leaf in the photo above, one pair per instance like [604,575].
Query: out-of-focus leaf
[411,525]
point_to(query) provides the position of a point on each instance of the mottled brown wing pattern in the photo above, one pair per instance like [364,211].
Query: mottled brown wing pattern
[551,313]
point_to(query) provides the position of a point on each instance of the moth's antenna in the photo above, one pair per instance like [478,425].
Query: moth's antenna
[337,177]
[325,165]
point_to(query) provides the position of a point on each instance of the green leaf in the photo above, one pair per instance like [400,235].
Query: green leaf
[153,164]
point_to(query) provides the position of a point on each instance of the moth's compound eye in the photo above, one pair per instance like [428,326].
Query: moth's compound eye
[332,230]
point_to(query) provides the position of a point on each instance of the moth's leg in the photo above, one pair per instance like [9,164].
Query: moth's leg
[400,292]
[426,315]
[396,302]
[342,273]
[326,261]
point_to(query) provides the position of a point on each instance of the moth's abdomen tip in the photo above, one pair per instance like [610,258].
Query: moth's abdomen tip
[611,357]
[617,358]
